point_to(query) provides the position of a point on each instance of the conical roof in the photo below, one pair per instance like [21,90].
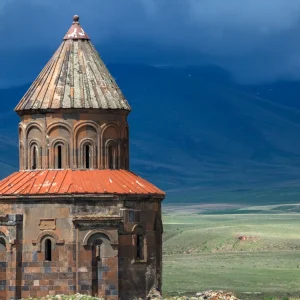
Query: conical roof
[75,77]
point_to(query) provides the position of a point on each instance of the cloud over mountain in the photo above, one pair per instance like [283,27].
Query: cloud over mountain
[257,40]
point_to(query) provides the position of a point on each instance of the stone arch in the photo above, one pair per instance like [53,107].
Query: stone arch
[86,131]
[59,124]
[108,132]
[4,233]
[44,235]
[124,130]
[33,124]
[81,124]
[91,233]
[65,159]
[62,132]
[138,229]
[33,133]
[106,128]
[92,155]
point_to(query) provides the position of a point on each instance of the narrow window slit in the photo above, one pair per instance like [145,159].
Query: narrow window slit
[48,250]
[87,156]
[34,158]
[111,159]
[59,157]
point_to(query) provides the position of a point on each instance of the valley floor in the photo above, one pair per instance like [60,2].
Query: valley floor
[255,255]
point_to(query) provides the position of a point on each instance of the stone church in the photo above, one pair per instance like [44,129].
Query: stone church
[75,219]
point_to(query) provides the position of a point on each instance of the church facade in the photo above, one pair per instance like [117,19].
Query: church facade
[75,219]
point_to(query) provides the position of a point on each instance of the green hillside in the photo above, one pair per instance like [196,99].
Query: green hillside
[254,255]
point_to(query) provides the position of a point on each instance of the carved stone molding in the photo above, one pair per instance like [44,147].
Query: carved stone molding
[43,235]
[47,224]
[112,237]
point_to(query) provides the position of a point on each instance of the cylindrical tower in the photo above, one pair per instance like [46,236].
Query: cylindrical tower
[74,115]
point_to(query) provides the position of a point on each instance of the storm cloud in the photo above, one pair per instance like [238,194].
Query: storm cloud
[257,40]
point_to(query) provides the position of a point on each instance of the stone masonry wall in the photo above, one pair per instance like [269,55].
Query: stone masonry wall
[93,247]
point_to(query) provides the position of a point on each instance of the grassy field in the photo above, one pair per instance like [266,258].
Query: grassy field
[204,249]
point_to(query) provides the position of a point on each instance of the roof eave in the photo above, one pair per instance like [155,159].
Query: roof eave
[22,112]
[45,197]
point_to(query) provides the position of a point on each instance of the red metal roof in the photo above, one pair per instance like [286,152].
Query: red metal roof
[63,182]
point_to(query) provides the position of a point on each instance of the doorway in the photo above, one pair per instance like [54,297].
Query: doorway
[104,262]
[96,268]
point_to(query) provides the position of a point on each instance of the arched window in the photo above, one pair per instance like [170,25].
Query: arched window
[140,247]
[111,159]
[59,157]
[139,243]
[48,250]
[34,157]
[112,156]
[87,156]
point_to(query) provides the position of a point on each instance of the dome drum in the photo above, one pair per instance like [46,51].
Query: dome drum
[74,141]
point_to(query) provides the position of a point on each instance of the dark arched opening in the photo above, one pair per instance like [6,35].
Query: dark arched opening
[111,157]
[87,156]
[96,266]
[140,247]
[48,250]
[59,157]
[34,158]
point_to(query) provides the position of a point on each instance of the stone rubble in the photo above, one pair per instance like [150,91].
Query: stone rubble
[153,295]
[206,295]
[216,295]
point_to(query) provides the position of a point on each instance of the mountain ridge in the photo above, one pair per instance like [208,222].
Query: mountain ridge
[198,134]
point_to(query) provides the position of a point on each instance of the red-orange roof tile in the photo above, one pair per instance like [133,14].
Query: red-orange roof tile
[63,182]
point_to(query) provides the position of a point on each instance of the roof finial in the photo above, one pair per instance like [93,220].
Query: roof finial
[75,19]
[76,32]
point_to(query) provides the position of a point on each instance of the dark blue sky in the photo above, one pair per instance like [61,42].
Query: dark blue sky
[255,39]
